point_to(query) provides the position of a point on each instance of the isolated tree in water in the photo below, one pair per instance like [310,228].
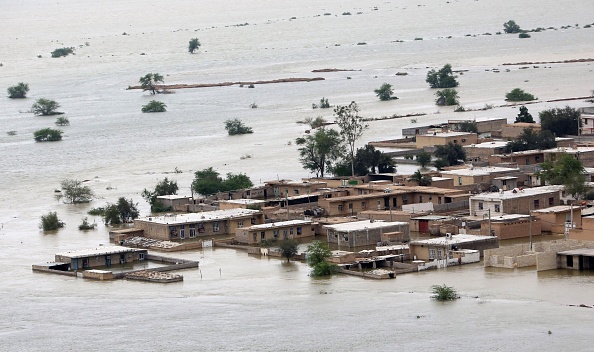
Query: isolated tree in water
[19,91]
[149,81]
[288,248]
[444,78]
[194,45]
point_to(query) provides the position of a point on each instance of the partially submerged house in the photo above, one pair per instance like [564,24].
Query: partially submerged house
[281,230]
[104,256]
[440,248]
[431,140]
[516,201]
[559,219]
[365,232]
[508,226]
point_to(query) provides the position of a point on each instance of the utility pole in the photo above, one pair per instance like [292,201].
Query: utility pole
[490,222]
[530,220]
[570,219]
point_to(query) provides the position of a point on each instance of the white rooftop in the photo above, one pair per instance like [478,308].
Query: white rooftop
[437,178]
[280,224]
[364,224]
[455,239]
[526,192]
[493,144]
[508,217]
[557,209]
[446,134]
[200,217]
[243,201]
[106,250]
[173,197]
[569,150]
[478,171]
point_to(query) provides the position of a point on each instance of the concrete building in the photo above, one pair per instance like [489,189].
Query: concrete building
[440,248]
[486,126]
[583,154]
[559,218]
[283,188]
[509,226]
[527,157]
[241,203]
[434,139]
[365,232]
[174,200]
[514,130]
[576,259]
[482,151]
[479,178]
[515,201]
[101,257]
[181,227]
[282,230]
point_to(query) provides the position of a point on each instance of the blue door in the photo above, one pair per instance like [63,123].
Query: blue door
[74,264]
[107,260]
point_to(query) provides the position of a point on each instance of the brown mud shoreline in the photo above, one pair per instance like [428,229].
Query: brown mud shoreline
[225,84]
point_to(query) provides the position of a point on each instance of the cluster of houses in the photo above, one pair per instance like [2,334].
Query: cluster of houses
[467,208]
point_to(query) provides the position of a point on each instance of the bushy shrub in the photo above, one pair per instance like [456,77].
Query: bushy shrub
[50,221]
[518,94]
[62,52]
[47,135]
[236,126]
[154,106]
[19,91]
[444,293]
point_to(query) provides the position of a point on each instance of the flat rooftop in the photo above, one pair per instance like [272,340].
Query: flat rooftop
[478,171]
[557,209]
[455,239]
[173,197]
[363,225]
[295,183]
[509,217]
[446,134]
[569,150]
[589,252]
[526,192]
[102,250]
[199,217]
[488,145]
[243,201]
[279,224]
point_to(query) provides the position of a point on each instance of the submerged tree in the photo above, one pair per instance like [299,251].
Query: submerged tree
[288,248]
[444,78]
[447,96]
[73,191]
[236,126]
[163,188]
[511,27]
[45,107]
[444,293]
[124,211]
[385,92]
[154,106]
[423,158]
[194,45]
[317,258]
[149,82]
[208,181]
[18,91]
[47,135]
[318,151]
[351,128]
[50,221]
[518,94]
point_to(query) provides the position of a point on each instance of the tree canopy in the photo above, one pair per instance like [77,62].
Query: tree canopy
[288,248]
[18,91]
[163,188]
[73,191]
[194,45]
[47,135]
[511,27]
[317,258]
[149,82]
[124,211]
[561,122]
[452,153]
[236,126]
[420,179]
[208,181]
[367,160]
[62,52]
[154,106]
[528,140]
[518,94]
[45,107]
[447,96]
[524,116]
[567,171]
[320,150]
[423,158]
[351,127]
[444,78]
[50,222]
[385,92]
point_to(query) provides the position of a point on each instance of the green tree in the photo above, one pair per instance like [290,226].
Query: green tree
[511,27]
[561,122]
[47,135]
[124,211]
[19,91]
[468,126]
[86,225]
[444,78]
[518,94]
[567,171]
[420,179]
[62,52]
[207,181]
[163,188]
[111,215]
[447,96]
[314,122]
[194,45]
[452,153]
[73,191]
[423,158]
[324,104]
[62,121]
[444,293]
[236,126]
[50,221]
[385,92]
[236,181]
[45,107]
[288,248]
[154,106]
[319,150]
[529,140]
[149,82]
[524,116]
[440,164]
[351,128]
[317,255]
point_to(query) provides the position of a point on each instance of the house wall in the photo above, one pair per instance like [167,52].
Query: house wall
[365,237]
[481,154]
[433,140]
[555,222]
[100,260]
[516,229]
[513,130]
[519,159]
[251,236]
[518,205]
